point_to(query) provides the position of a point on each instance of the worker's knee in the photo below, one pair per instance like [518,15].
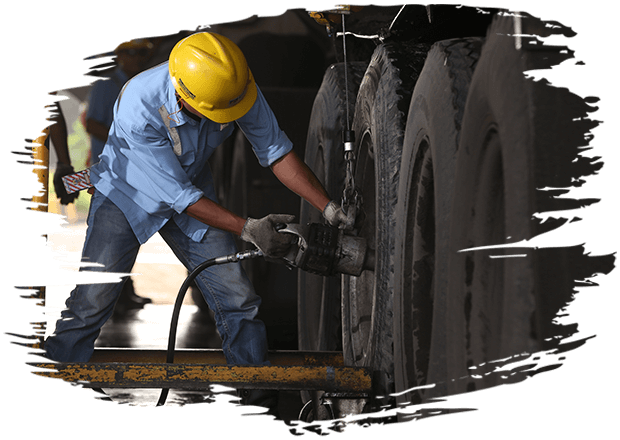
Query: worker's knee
[228,288]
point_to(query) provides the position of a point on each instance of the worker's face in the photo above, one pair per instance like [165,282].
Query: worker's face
[192,110]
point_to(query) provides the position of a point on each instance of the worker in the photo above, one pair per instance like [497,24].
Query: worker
[153,176]
[131,58]
[58,136]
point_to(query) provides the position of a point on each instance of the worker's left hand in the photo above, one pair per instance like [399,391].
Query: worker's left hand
[61,171]
[334,215]
[264,235]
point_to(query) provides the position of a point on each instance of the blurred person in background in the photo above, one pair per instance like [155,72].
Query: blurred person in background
[131,58]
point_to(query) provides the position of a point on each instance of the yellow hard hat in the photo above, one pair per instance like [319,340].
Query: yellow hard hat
[211,74]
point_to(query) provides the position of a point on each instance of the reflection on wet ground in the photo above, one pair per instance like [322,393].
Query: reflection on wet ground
[149,327]
[149,397]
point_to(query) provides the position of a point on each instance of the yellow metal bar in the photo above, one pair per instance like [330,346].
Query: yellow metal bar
[200,376]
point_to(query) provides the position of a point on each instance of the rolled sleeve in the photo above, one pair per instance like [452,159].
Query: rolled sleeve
[261,129]
[187,198]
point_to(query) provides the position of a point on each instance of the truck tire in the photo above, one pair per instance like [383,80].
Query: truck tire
[515,131]
[423,214]
[379,125]
[318,297]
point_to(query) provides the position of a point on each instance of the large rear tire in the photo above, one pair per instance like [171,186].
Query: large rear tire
[319,326]
[318,297]
[423,215]
[379,125]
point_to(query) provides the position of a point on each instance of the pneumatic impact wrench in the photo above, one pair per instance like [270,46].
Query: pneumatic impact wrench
[327,250]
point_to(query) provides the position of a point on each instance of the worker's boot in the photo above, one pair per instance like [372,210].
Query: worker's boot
[265,398]
[129,300]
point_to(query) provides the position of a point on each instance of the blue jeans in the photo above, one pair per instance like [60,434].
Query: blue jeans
[111,242]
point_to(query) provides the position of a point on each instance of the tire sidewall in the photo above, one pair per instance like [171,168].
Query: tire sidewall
[380,116]
[324,150]
[435,119]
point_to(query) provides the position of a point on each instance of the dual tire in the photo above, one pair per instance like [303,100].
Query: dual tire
[373,321]
[448,158]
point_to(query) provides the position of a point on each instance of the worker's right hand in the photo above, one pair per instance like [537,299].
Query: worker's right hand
[264,235]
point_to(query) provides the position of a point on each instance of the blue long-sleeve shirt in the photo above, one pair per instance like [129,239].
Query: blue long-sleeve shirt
[154,166]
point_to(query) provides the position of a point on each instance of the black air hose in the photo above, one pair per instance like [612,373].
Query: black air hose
[232,258]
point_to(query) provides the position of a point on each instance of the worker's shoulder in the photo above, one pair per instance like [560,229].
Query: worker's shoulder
[147,90]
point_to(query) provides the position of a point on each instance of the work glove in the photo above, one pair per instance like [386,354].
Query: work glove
[264,235]
[334,215]
[61,171]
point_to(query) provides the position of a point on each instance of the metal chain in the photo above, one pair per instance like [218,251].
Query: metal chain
[350,196]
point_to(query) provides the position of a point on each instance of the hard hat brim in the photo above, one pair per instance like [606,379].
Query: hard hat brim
[224,116]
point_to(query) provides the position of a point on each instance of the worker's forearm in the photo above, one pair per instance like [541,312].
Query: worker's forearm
[213,214]
[290,170]
[58,136]
[300,179]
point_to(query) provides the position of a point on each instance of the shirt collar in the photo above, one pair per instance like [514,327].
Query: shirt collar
[177,118]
